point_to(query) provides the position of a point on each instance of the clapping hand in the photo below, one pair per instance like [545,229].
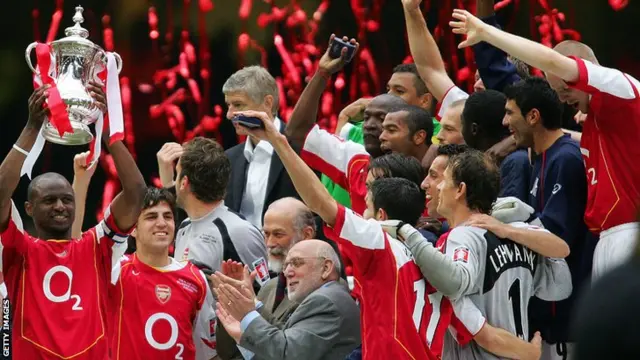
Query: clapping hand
[230,324]
[469,25]
[237,303]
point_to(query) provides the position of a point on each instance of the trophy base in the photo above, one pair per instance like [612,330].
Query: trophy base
[81,134]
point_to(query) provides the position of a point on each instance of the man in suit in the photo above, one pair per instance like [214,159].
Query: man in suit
[257,176]
[326,324]
[286,222]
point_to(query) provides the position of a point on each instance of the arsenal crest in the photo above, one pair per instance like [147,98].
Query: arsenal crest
[163,293]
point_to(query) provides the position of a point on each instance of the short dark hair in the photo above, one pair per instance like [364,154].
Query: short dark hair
[535,93]
[481,176]
[207,167]
[152,197]
[418,119]
[522,68]
[452,149]
[421,87]
[486,108]
[400,198]
[399,166]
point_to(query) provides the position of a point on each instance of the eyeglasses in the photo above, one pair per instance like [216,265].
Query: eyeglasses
[297,262]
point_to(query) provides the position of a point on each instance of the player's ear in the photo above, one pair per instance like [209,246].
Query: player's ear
[134,233]
[381,215]
[28,208]
[184,182]
[533,117]
[461,191]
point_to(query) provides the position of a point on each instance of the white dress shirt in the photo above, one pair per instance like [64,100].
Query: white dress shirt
[255,188]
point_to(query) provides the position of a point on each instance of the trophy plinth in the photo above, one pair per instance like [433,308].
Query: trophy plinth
[76,61]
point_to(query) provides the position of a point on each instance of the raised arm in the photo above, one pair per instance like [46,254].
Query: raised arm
[496,71]
[305,113]
[425,52]
[307,184]
[82,173]
[12,164]
[532,53]
[127,205]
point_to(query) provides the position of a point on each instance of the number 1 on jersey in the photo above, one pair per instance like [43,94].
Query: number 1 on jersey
[514,298]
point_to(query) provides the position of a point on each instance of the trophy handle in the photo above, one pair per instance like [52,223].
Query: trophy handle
[118,61]
[27,55]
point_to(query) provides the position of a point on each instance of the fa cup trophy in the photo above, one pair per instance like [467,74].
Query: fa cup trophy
[75,61]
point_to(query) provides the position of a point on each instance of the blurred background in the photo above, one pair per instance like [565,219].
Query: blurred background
[178,53]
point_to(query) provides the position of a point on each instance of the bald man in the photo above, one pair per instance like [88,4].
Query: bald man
[326,324]
[286,222]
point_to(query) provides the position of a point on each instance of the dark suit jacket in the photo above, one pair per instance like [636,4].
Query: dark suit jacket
[226,346]
[326,325]
[279,184]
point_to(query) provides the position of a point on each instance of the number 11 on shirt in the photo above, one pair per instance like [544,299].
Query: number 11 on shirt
[420,287]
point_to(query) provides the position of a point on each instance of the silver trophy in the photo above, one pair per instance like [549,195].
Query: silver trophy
[76,61]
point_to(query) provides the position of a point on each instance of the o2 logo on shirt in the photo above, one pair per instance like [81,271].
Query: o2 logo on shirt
[46,287]
[173,337]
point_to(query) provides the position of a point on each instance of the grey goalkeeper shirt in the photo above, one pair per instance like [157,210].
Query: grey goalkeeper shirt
[498,275]
[206,240]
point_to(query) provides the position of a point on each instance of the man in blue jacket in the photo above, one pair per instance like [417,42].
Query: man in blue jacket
[558,193]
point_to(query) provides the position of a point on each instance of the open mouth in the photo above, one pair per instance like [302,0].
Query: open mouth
[60,217]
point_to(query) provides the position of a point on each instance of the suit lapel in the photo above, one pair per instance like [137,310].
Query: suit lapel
[275,169]
[239,171]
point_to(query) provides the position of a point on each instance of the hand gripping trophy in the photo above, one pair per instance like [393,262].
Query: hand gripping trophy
[68,64]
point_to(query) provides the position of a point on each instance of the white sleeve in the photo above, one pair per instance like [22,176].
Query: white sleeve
[464,247]
[330,154]
[115,269]
[119,244]
[453,94]
[552,280]
[344,132]
[361,233]
[469,320]
[598,78]
[204,335]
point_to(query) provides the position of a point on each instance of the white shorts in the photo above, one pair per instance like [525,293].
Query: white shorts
[616,245]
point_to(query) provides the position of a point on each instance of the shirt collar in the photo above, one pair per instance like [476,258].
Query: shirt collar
[265,146]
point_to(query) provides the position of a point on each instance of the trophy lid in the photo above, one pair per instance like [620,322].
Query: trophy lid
[77,29]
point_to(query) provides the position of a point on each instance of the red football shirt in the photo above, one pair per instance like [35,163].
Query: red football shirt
[402,315]
[58,289]
[162,313]
[610,146]
[345,162]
